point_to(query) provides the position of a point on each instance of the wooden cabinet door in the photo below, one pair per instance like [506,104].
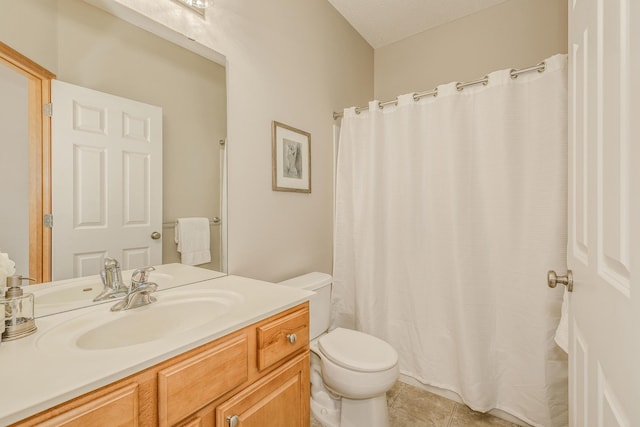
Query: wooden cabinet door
[281,399]
[186,386]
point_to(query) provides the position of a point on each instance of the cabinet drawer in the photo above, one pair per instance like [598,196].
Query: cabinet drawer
[118,408]
[281,337]
[189,385]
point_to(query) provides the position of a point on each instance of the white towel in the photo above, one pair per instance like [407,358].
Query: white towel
[562,332]
[192,237]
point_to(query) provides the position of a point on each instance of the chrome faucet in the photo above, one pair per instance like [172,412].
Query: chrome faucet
[140,292]
[111,277]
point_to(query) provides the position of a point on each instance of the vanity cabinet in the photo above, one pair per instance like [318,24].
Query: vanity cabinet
[259,374]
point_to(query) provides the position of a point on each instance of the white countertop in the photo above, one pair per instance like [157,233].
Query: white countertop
[36,375]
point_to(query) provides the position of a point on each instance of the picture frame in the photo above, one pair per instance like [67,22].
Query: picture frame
[291,158]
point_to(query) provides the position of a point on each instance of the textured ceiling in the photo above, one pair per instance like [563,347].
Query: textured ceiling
[382,22]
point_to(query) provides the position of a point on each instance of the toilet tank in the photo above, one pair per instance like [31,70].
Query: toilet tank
[319,304]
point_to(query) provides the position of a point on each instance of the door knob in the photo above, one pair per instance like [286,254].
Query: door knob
[155,235]
[553,279]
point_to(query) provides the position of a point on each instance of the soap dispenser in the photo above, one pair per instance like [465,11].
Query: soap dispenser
[19,319]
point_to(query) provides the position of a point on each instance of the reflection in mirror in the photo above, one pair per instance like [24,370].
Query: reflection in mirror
[14,161]
[25,168]
[65,295]
[99,51]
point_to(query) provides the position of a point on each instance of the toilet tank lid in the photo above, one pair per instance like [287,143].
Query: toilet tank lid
[309,281]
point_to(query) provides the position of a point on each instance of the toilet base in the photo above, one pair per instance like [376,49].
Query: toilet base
[370,412]
[325,406]
[352,413]
[331,410]
[327,416]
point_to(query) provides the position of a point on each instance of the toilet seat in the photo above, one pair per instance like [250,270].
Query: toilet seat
[357,351]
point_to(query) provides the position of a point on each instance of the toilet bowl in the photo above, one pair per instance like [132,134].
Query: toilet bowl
[351,371]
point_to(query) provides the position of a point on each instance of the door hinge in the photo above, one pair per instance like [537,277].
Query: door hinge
[48,220]
[48,109]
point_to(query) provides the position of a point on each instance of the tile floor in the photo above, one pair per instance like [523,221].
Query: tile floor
[411,406]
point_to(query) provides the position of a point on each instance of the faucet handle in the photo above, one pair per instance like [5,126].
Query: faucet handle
[140,276]
[111,263]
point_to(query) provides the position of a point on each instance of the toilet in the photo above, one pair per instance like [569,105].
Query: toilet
[350,371]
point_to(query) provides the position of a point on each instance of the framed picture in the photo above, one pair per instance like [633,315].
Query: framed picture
[291,153]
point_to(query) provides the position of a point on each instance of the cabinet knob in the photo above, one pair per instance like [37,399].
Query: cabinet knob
[292,338]
[233,420]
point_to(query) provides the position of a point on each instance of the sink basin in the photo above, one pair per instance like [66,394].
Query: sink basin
[176,312]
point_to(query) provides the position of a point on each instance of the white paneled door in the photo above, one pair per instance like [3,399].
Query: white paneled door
[604,212]
[106,181]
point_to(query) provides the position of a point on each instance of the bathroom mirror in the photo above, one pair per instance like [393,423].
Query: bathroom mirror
[86,46]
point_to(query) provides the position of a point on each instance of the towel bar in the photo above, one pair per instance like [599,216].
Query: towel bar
[214,221]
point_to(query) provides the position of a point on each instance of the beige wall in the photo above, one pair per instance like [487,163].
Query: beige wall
[89,47]
[291,61]
[35,36]
[514,34]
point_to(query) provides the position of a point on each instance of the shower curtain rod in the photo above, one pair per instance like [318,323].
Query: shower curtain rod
[434,92]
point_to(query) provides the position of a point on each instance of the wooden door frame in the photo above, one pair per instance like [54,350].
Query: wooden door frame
[39,93]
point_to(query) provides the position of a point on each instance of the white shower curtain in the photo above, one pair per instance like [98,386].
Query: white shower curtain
[449,212]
